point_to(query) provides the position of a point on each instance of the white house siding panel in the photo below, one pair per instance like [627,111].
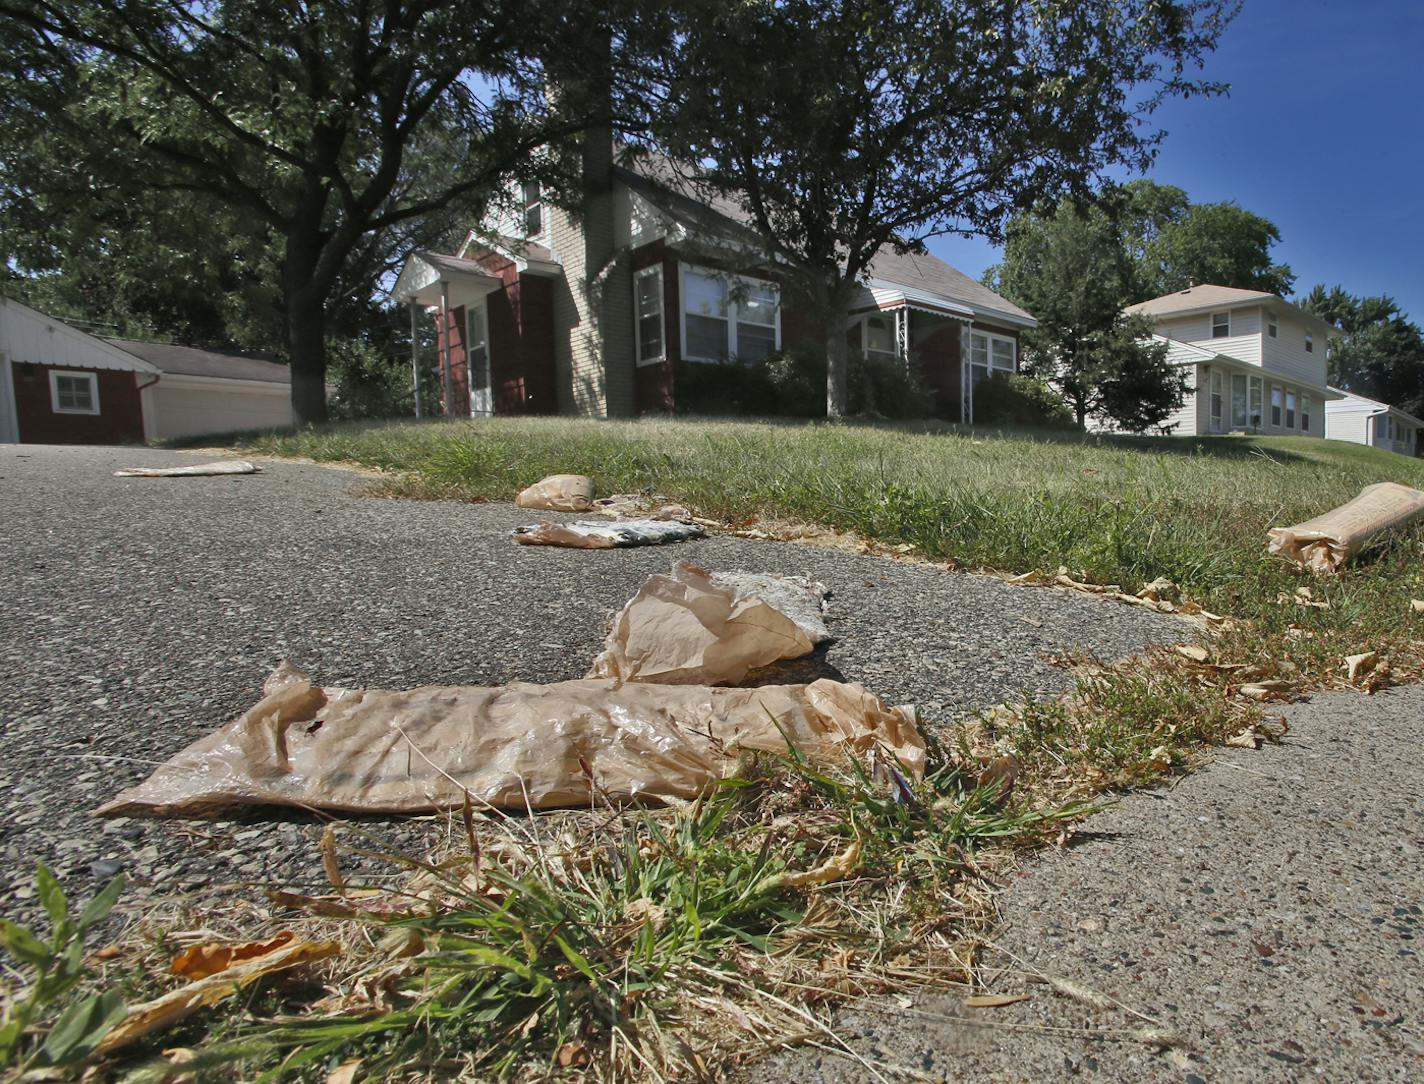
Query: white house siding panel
[190,408]
[1286,353]
[30,336]
[1351,425]
[1243,344]
[1183,422]
[578,364]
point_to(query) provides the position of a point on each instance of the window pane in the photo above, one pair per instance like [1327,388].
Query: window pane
[756,304]
[706,337]
[1238,400]
[1220,325]
[1254,420]
[650,294]
[1271,326]
[878,335]
[1290,410]
[649,287]
[74,392]
[704,295]
[1305,413]
[754,341]
[1003,353]
[979,350]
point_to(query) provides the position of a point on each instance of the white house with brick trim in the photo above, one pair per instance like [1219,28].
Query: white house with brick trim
[1255,363]
[595,313]
[1368,421]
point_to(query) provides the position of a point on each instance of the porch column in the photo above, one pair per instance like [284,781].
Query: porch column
[445,347]
[415,352]
[902,335]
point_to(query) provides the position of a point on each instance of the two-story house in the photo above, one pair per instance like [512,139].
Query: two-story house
[1255,363]
[1368,421]
[595,311]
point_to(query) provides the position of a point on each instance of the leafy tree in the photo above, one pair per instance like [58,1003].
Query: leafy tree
[1381,355]
[296,120]
[841,126]
[1176,243]
[1072,270]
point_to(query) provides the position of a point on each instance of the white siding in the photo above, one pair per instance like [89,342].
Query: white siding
[1184,422]
[30,336]
[189,407]
[1351,425]
[1286,354]
[1244,342]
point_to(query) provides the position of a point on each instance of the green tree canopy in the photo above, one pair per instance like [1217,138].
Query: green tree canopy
[292,124]
[1175,243]
[841,126]
[1072,270]
[1381,355]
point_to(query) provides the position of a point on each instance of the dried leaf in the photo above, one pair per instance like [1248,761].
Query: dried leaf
[1247,739]
[1360,665]
[1194,652]
[1417,605]
[345,1073]
[999,776]
[163,1012]
[329,862]
[835,869]
[1274,689]
[993,1001]
[573,1056]
[200,961]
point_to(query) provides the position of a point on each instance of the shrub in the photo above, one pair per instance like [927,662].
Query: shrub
[370,384]
[1010,399]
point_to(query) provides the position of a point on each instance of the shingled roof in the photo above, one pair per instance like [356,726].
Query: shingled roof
[190,361]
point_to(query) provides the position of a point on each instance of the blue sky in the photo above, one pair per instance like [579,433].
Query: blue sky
[1322,132]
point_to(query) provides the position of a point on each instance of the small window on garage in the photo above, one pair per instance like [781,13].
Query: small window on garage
[1220,325]
[73,393]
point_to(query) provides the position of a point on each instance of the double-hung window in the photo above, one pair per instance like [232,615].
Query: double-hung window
[1220,325]
[724,318]
[1216,402]
[648,299]
[1276,405]
[877,336]
[533,209]
[1305,413]
[1238,400]
[73,393]
[1272,325]
[1253,414]
[1290,410]
[1309,343]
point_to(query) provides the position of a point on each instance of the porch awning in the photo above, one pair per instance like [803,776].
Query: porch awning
[890,295]
[424,273]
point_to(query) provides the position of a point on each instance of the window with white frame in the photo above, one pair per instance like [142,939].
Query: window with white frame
[1290,410]
[648,299]
[1238,400]
[1216,403]
[991,351]
[1220,325]
[73,393]
[1272,326]
[1276,405]
[722,318]
[877,336]
[1309,343]
[1305,414]
[533,209]
[1253,413]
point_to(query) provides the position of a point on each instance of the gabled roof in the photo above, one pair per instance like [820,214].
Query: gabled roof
[174,360]
[1209,298]
[1374,404]
[721,216]
[48,340]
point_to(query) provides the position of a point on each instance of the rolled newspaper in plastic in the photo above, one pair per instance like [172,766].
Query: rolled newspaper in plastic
[1324,544]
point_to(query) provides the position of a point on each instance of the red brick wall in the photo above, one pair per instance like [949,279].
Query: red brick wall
[521,340]
[120,417]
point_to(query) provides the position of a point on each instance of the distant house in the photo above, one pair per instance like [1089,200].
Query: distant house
[60,385]
[1368,421]
[1255,363]
[596,313]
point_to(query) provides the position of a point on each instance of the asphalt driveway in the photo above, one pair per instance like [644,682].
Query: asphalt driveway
[138,614]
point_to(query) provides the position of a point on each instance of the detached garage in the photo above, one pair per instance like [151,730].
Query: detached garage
[59,385]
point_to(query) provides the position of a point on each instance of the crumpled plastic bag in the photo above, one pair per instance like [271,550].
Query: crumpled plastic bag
[1326,543]
[420,750]
[694,628]
[559,493]
[587,535]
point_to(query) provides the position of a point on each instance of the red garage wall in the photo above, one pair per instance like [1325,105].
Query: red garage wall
[120,417]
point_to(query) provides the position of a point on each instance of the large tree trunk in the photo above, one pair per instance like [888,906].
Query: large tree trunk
[833,305]
[306,339]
